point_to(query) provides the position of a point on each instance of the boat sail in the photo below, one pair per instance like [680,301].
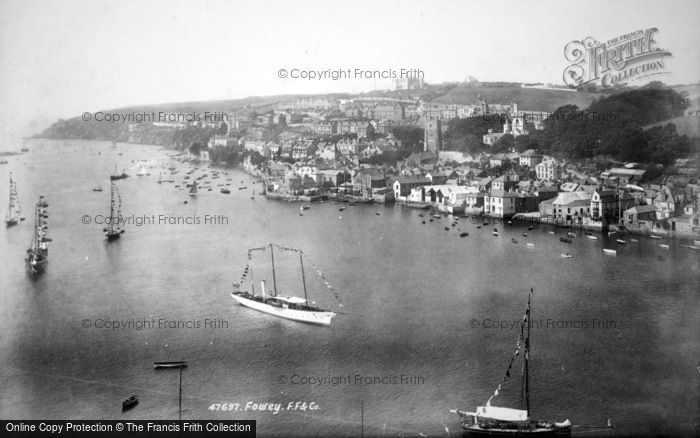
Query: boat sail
[160,178]
[38,252]
[294,308]
[193,188]
[142,171]
[500,421]
[14,209]
[113,230]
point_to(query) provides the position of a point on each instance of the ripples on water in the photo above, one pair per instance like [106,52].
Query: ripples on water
[410,291]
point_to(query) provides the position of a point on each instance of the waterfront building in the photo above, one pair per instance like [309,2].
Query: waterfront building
[402,185]
[499,203]
[606,205]
[570,207]
[639,214]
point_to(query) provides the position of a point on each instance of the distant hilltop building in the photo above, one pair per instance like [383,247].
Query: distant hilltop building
[317,103]
[542,86]
[408,84]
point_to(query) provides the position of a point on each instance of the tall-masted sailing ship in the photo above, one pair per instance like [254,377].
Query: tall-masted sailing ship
[14,210]
[499,421]
[114,230]
[38,252]
[289,307]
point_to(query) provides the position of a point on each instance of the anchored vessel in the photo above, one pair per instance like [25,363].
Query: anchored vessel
[114,230]
[193,188]
[130,403]
[38,252]
[294,308]
[14,209]
[117,176]
[499,421]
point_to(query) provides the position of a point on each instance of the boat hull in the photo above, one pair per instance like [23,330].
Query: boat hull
[36,267]
[308,316]
[471,430]
[112,236]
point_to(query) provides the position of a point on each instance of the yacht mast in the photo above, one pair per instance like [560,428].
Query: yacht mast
[303,278]
[274,278]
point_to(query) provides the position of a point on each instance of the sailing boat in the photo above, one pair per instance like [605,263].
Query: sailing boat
[14,209]
[113,231]
[116,176]
[38,252]
[193,188]
[491,420]
[294,308]
[160,178]
[142,171]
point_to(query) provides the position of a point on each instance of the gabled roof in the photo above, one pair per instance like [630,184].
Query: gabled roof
[412,179]
[638,209]
[572,198]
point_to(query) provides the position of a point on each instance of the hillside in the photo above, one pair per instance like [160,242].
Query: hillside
[532,99]
[686,125]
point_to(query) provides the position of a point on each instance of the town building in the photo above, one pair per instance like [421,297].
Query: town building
[548,170]
[433,136]
[530,158]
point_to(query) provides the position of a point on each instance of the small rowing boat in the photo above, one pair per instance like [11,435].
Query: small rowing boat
[170,364]
[130,403]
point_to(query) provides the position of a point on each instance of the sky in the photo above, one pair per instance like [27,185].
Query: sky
[61,58]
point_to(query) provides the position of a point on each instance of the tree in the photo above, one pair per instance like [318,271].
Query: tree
[195,149]
[503,144]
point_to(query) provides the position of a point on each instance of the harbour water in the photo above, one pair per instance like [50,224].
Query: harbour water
[420,331]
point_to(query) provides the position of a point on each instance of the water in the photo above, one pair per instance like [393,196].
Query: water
[410,292]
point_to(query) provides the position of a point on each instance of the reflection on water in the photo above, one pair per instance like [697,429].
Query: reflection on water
[418,301]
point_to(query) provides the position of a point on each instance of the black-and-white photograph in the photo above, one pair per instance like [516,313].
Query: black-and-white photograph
[366,218]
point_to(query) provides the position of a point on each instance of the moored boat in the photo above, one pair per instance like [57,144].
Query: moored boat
[38,252]
[14,209]
[113,230]
[491,420]
[416,205]
[288,307]
[115,176]
[170,364]
[609,251]
[130,403]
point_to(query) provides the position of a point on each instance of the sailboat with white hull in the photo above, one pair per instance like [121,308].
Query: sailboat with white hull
[114,230]
[500,421]
[14,209]
[38,252]
[294,308]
